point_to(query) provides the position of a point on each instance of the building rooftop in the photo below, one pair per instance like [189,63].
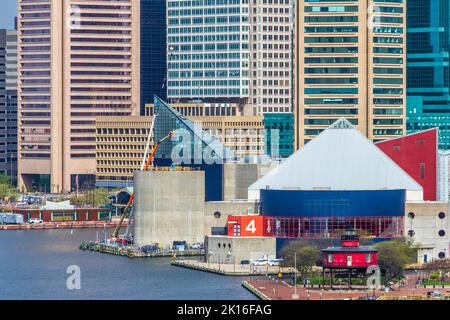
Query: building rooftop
[340,158]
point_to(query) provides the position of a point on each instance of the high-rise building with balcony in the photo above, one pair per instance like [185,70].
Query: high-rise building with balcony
[428,76]
[8,104]
[350,63]
[78,60]
[233,51]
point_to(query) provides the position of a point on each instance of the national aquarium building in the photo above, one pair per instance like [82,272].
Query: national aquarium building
[338,181]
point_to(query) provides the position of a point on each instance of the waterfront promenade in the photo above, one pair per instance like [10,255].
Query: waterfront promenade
[280,290]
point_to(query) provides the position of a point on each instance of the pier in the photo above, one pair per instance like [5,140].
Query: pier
[62,225]
[231,269]
[132,252]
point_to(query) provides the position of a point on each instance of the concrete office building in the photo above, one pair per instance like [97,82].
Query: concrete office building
[428,84]
[238,51]
[350,62]
[78,60]
[120,149]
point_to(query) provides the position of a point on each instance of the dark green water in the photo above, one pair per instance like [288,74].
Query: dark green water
[33,265]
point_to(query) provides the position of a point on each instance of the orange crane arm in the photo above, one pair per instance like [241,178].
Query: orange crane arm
[150,158]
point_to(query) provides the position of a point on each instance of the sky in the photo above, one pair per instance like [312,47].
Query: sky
[8,11]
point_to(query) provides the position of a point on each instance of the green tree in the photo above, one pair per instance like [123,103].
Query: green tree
[394,255]
[6,189]
[307,256]
[95,197]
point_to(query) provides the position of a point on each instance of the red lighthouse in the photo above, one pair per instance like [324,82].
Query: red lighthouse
[349,257]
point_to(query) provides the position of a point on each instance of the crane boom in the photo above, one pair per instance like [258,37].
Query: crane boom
[147,165]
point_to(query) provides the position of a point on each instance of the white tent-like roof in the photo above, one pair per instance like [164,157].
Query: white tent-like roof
[340,158]
[64,205]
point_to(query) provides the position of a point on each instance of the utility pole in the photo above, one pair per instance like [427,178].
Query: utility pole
[295,295]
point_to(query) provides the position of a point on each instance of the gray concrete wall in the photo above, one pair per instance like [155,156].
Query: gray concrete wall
[230,250]
[426,225]
[225,209]
[238,177]
[169,206]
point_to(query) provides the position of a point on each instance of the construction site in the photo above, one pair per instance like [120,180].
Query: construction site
[194,201]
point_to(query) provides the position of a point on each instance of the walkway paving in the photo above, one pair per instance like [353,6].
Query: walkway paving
[280,290]
[230,269]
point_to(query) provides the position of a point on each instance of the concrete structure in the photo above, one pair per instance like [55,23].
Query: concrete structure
[8,104]
[428,85]
[240,51]
[120,146]
[77,61]
[350,62]
[169,206]
[427,225]
[232,250]
[217,213]
[238,177]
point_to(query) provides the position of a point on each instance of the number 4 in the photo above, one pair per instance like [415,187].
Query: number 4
[251,227]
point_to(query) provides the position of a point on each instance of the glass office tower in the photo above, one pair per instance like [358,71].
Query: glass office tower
[428,102]
[153,51]
[233,51]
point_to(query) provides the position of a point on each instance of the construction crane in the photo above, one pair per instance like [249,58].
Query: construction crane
[148,165]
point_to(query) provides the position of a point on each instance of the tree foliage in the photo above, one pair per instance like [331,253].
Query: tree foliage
[7,190]
[394,255]
[307,256]
[95,197]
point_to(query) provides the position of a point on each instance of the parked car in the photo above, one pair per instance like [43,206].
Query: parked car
[22,204]
[36,221]
[261,262]
[152,248]
[198,245]
[180,245]
[434,294]
[274,262]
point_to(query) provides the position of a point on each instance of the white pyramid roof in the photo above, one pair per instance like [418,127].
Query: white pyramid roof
[340,158]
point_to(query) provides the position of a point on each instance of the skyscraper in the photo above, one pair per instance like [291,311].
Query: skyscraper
[8,104]
[231,51]
[350,62]
[428,83]
[77,60]
[3,112]
[153,51]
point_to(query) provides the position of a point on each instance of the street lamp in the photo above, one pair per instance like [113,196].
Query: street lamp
[171,50]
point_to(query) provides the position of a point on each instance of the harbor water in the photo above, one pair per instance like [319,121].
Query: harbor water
[34,265]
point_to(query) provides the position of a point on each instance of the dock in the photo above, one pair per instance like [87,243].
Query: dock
[61,225]
[231,269]
[132,252]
